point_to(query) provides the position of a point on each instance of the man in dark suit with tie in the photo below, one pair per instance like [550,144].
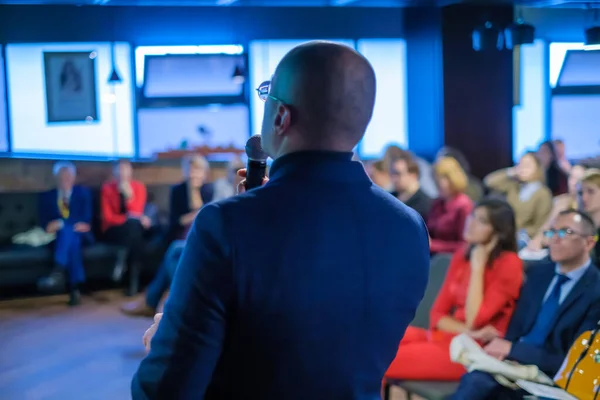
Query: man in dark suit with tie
[558,302]
[303,288]
[67,212]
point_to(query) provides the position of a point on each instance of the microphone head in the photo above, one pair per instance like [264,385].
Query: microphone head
[254,149]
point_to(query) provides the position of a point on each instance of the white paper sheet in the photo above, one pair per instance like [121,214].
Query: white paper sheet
[544,391]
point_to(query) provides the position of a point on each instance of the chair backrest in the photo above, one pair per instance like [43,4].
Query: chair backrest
[18,213]
[437,274]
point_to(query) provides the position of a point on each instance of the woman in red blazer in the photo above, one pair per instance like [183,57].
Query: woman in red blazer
[478,296]
[122,202]
[448,213]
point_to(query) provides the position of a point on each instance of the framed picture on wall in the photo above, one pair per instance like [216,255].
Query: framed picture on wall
[71,86]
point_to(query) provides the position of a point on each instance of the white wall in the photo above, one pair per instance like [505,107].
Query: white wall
[112,135]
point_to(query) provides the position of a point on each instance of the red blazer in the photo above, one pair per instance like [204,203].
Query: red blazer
[501,287]
[446,222]
[110,203]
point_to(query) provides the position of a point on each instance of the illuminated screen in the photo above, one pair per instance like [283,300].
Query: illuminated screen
[192,75]
[165,129]
[529,117]
[389,124]
[3,116]
[110,134]
[575,100]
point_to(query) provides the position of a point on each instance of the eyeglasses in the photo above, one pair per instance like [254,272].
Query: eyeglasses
[263,92]
[562,233]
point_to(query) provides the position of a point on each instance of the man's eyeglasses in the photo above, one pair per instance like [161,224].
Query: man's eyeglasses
[263,90]
[562,233]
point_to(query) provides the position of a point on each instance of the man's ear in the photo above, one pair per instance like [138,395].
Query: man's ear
[283,119]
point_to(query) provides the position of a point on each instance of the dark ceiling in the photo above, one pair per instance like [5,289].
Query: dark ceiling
[309,3]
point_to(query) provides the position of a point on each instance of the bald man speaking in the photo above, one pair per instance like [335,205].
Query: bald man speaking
[302,288]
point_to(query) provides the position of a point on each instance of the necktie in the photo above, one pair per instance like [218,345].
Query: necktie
[543,322]
[63,206]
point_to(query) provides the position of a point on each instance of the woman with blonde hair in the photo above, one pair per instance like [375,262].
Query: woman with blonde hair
[525,191]
[446,220]
[590,202]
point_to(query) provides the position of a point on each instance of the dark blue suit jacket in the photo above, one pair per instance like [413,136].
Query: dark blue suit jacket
[301,289]
[80,207]
[579,312]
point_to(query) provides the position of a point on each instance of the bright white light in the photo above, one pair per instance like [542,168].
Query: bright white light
[558,52]
[109,98]
[142,51]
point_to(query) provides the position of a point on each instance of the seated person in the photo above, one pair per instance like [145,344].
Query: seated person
[67,212]
[555,177]
[525,192]
[590,202]
[478,296]
[376,171]
[404,173]
[426,178]
[475,187]
[558,302]
[560,203]
[186,200]
[225,187]
[122,203]
[446,220]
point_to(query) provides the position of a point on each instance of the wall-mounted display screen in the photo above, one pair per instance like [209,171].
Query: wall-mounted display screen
[193,75]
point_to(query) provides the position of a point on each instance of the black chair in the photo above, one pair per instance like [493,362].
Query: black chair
[430,390]
[437,274]
[426,389]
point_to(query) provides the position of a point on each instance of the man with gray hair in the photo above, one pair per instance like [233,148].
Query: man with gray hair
[67,212]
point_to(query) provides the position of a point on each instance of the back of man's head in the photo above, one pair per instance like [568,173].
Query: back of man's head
[331,89]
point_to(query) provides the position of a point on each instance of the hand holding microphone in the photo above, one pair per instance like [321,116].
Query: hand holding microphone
[255,174]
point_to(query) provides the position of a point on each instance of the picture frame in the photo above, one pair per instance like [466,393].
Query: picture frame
[71,94]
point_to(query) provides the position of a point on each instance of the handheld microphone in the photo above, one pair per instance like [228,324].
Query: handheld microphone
[256,169]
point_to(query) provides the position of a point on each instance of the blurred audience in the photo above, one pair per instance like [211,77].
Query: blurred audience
[225,187]
[555,176]
[478,296]
[377,173]
[404,173]
[426,178]
[590,201]
[561,156]
[123,201]
[560,203]
[525,192]
[67,212]
[446,220]
[559,301]
[475,187]
[187,198]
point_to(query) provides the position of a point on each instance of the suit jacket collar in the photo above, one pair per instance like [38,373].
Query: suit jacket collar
[543,281]
[319,166]
[589,277]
